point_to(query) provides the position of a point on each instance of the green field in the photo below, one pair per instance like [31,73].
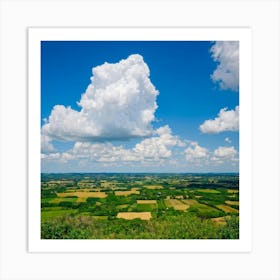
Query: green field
[139,206]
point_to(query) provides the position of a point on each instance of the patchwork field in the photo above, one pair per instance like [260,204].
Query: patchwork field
[139,206]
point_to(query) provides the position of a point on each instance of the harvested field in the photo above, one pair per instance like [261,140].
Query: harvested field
[146,201]
[85,184]
[233,191]
[126,193]
[81,199]
[219,220]
[122,206]
[189,201]
[134,215]
[60,199]
[208,191]
[100,217]
[154,187]
[176,204]
[84,194]
[230,202]
[227,208]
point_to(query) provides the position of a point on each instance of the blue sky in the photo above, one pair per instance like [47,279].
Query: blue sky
[190,95]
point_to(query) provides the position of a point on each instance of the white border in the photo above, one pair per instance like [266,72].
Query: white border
[243,35]
[263,260]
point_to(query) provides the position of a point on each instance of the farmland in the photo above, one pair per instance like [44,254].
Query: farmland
[139,206]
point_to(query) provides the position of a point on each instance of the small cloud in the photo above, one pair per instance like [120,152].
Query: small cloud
[226,54]
[226,121]
[227,139]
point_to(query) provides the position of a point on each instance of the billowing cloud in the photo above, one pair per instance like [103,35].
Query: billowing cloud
[158,147]
[119,104]
[223,154]
[195,152]
[46,145]
[227,120]
[226,54]
[153,149]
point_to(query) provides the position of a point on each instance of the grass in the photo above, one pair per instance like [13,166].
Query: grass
[205,211]
[122,206]
[145,207]
[46,215]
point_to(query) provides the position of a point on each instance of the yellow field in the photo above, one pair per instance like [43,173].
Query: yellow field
[227,209]
[219,221]
[58,200]
[146,201]
[209,191]
[176,204]
[122,206]
[83,194]
[126,193]
[230,202]
[189,201]
[134,215]
[233,191]
[81,199]
[85,184]
[154,187]
[61,182]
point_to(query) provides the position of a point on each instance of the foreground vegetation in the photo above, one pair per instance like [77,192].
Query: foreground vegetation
[140,206]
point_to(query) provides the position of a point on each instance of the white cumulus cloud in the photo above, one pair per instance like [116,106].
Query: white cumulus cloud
[195,152]
[226,54]
[227,120]
[222,154]
[119,103]
[46,145]
[153,149]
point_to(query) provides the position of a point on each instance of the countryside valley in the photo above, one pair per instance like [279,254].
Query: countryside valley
[139,206]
